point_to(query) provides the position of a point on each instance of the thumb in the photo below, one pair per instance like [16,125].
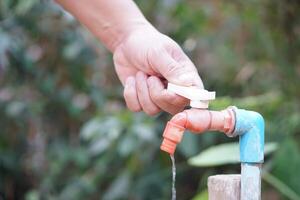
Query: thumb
[182,72]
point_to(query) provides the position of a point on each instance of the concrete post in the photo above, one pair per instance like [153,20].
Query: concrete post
[224,187]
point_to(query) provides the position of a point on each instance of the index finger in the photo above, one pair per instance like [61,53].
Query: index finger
[166,100]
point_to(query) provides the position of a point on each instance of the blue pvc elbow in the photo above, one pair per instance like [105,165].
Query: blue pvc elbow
[250,127]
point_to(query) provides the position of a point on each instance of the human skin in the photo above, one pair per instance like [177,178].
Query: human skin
[144,58]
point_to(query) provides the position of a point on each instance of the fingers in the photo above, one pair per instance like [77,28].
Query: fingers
[176,67]
[149,94]
[167,101]
[130,95]
[144,98]
[137,97]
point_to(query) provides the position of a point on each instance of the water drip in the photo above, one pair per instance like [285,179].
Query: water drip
[173,177]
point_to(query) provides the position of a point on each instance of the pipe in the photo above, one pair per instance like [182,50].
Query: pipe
[250,128]
[198,121]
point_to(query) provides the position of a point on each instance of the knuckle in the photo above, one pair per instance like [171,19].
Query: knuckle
[172,67]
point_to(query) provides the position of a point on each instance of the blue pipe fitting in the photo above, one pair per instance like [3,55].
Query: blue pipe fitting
[250,127]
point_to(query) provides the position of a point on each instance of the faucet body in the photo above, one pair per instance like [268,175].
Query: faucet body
[197,121]
[248,125]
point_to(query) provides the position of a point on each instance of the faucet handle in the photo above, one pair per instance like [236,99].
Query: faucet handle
[199,98]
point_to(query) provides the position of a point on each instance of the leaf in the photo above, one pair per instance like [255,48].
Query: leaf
[24,6]
[286,164]
[15,108]
[98,146]
[223,154]
[119,187]
[98,127]
[144,132]
[32,195]
[101,133]
[280,186]
[127,145]
[201,196]
[91,128]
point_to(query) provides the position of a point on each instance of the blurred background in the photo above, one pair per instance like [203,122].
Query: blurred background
[65,132]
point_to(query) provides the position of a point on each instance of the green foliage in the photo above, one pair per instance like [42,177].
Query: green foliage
[223,154]
[201,196]
[280,186]
[65,132]
[285,166]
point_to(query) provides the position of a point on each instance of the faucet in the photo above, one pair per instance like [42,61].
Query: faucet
[248,125]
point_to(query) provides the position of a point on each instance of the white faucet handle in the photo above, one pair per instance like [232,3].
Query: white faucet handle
[199,97]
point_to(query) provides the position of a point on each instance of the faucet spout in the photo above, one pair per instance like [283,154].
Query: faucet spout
[197,121]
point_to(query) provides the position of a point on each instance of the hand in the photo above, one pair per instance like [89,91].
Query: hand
[144,60]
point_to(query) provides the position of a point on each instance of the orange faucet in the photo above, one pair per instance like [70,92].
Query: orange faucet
[198,121]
